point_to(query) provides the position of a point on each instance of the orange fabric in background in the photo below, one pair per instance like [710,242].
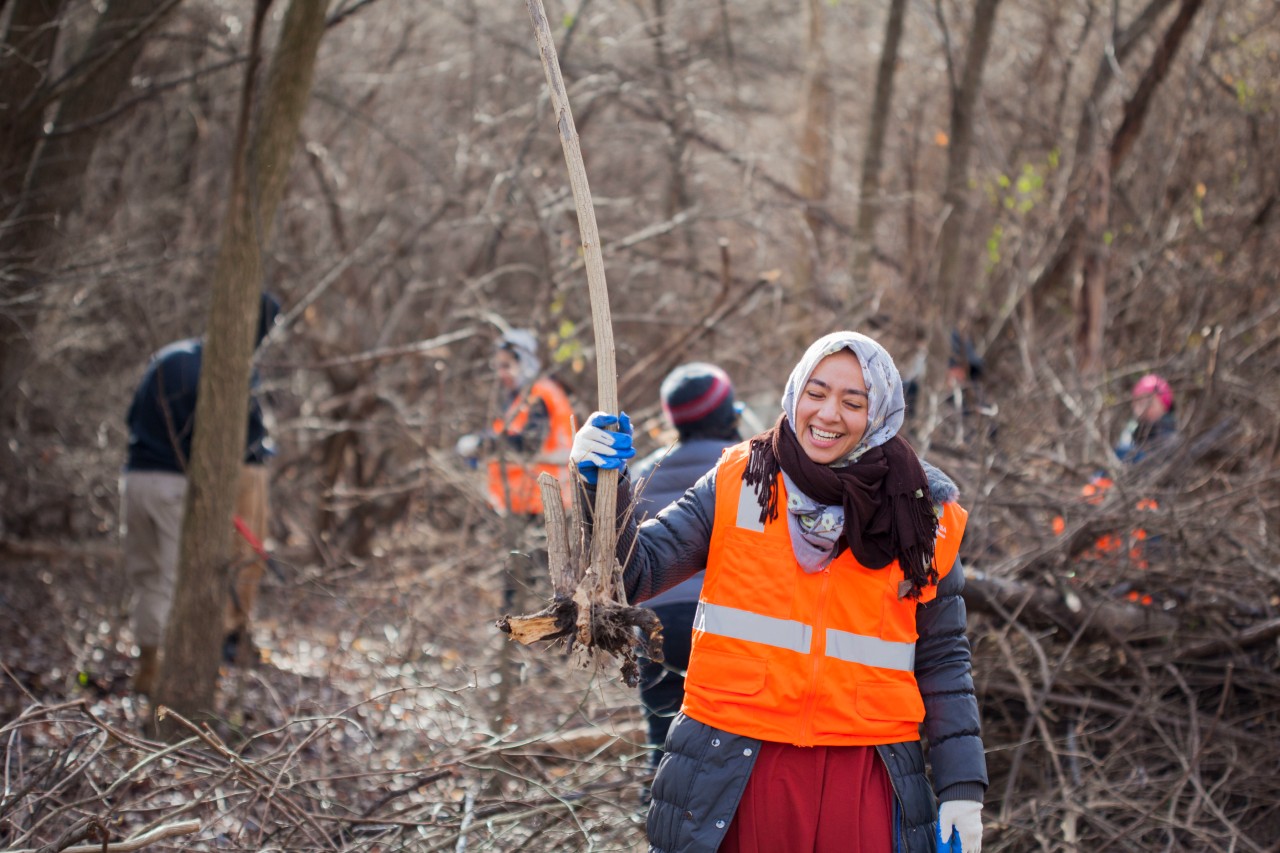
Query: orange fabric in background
[521,478]
[1112,545]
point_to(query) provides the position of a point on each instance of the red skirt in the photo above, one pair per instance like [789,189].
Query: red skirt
[824,799]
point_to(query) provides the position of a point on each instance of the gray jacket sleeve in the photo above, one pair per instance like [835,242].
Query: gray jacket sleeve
[668,548]
[951,720]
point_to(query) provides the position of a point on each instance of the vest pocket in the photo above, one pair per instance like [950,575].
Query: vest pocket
[890,702]
[726,673]
[749,572]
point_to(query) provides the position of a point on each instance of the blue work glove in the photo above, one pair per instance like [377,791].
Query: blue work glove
[960,827]
[595,447]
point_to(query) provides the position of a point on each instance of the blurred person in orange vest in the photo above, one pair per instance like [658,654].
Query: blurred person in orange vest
[830,627]
[531,436]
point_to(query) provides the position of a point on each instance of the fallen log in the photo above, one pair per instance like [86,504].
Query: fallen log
[1046,605]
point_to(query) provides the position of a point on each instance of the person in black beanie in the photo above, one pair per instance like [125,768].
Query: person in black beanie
[698,401]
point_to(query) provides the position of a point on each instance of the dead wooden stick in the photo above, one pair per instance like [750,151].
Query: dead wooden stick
[601,619]
[558,555]
[160,833]
[604,535]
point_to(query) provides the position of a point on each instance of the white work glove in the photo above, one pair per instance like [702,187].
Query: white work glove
[595,447]
[468,447]
[965,816]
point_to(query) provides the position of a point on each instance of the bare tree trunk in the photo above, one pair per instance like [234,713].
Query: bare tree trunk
[33,225]
[188,673]
[1091,300]
[189,666]
[815,163]
[1063,258]
[24,65]
[952,271]
[1091,316]
[283,105]
[873,153]
[678,198]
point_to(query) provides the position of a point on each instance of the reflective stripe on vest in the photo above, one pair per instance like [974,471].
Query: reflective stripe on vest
[744,625]
[798,637]
[871,651]
[749,510]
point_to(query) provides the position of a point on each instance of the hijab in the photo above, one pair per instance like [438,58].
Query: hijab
[875,500]
[523,346]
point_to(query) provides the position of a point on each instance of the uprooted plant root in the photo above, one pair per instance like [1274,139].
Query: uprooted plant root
[558,619]
[613,630]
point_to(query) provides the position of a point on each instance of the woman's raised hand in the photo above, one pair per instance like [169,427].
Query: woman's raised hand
[596,446]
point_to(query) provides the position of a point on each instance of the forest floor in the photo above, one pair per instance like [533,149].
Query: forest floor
[387,708]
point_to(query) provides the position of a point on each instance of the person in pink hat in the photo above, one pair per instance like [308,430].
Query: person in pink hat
[1154,426]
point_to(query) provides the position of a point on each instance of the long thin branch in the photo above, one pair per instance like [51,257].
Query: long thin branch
[604,533]
[169,830]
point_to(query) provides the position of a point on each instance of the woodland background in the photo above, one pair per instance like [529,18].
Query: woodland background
[1090,190]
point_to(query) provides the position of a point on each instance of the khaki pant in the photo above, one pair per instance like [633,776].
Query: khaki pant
[251,507]
[152,505]
[151,513]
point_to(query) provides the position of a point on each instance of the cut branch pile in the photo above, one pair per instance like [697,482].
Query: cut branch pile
[1128,697]
[73,776]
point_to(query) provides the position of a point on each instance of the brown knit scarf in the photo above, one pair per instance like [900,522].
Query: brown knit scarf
[888,510]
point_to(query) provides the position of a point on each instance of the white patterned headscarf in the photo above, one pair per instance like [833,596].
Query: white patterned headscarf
[886,406]
[522,344]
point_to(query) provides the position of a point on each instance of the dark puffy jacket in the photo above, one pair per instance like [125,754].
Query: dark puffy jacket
[1141,441]
[661,478]
[162,414]
[704,771]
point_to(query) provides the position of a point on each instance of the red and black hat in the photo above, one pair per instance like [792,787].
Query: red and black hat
[697,392]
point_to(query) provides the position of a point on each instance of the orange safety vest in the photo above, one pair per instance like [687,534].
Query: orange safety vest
[821,659]
[521,477]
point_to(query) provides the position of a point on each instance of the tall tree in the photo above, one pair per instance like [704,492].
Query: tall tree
[1065,246]
[814,163]
[189,668]
[952,267]
[677,115]
[1091,309]
[873,152]
[52,168]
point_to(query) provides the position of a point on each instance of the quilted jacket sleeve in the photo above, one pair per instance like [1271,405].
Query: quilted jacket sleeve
[952,723]
[668,548]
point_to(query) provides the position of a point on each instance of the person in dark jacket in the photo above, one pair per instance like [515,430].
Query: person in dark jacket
[830,628]
[966,417]
[698,401]
[161,421]
[1153,429]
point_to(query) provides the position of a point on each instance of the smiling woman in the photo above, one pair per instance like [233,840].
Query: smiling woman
[830,627]
[831,414]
